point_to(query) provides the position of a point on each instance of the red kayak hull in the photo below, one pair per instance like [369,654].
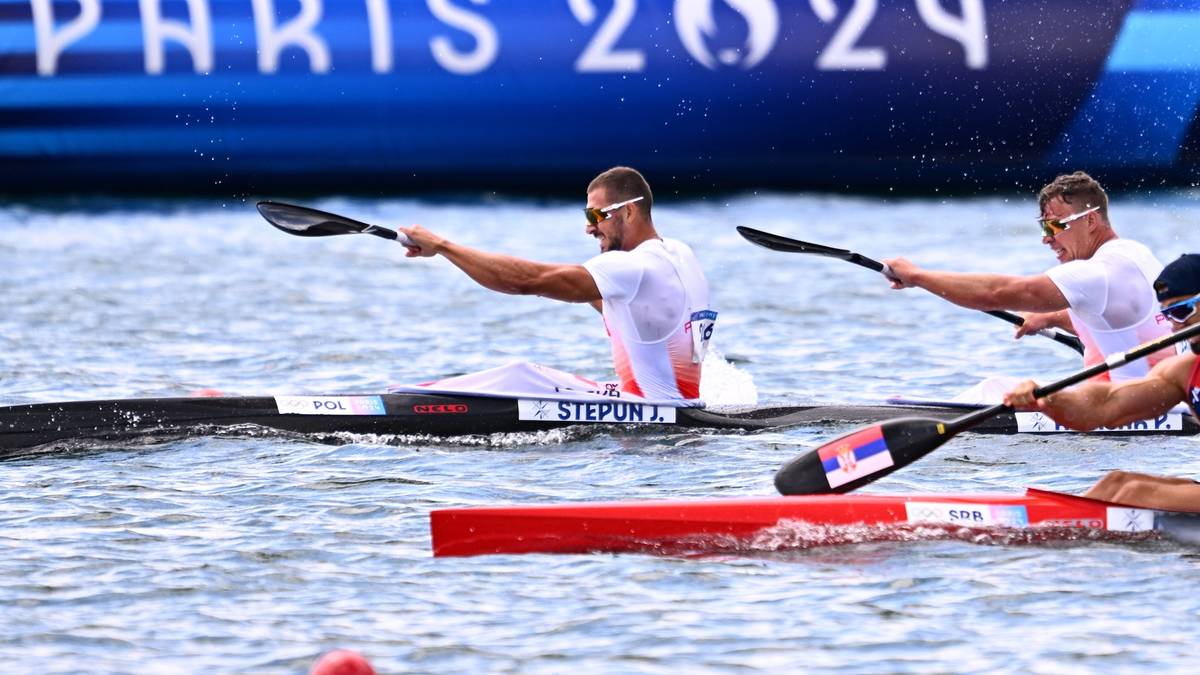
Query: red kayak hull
[769,523]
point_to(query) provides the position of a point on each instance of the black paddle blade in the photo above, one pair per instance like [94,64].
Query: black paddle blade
[777,242]
[861,456]
[305,222]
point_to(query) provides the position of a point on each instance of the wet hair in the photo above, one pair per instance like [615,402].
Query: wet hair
[1076,188]
[622,183]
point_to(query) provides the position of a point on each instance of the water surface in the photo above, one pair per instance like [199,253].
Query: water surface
[256,554]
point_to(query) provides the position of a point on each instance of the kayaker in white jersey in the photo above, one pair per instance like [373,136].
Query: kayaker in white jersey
[1102,290]
[651,291]
[1098,404]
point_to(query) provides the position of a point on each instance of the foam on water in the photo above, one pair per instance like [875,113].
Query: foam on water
[723,384]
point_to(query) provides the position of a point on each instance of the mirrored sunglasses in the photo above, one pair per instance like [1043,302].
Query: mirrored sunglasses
[1182,310]
[1054,226]
[596,216]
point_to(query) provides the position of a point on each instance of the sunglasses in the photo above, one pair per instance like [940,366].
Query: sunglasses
[1053,226]
[1182,310]
[596,216]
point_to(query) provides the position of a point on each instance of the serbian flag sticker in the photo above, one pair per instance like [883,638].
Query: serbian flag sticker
[860,454]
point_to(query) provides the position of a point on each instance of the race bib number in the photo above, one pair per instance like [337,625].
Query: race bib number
[701,327]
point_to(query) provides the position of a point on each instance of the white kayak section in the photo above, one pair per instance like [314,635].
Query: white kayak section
[525,380]
[991,390]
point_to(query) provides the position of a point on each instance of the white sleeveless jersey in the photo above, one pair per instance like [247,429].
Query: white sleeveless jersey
[1112,303]
[657,313]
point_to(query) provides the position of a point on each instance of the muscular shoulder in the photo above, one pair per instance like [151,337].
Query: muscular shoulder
[650,255]
[1087,284]
[1123,258]
[676,247]
[617,274]
[1078,272]
[1126,248]
[611,259]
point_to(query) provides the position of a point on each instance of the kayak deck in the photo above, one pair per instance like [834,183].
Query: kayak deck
[776,523]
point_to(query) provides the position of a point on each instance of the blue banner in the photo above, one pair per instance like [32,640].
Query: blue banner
[253,95]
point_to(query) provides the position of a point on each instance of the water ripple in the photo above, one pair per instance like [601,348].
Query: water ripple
[255,553]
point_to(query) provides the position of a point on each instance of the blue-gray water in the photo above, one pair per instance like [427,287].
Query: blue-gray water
[237,554]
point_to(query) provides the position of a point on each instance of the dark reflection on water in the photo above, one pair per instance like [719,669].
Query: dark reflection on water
[255,554]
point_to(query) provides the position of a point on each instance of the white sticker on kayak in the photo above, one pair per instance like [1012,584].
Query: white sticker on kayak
[1125,519]
[1037,423]
[330,405]
[608,412]
[967,515]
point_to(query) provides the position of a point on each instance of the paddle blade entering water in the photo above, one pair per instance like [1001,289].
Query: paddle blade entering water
[861,457]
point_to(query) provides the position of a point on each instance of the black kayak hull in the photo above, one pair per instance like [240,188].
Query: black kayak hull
[31,425]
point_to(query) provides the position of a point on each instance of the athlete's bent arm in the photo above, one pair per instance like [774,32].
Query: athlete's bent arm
[505,273]
[1105,404]
[982,291]
[1036,321]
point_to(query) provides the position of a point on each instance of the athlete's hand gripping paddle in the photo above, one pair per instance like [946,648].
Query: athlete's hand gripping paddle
[305,222]
[872,452]
[776,242]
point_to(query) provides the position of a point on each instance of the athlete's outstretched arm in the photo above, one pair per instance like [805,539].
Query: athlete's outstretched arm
[985,292]
[505,273]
